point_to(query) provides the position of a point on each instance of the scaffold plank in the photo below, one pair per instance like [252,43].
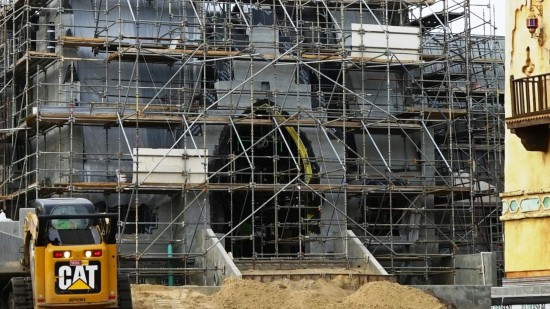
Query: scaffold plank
[107,120]
[166,55]
[322,188]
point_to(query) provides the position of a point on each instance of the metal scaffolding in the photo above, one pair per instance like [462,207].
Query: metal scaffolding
[279,124]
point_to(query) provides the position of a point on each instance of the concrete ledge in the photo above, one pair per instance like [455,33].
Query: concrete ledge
[360,256]
[520,295]
[218,263]
[461,296]
[12,247]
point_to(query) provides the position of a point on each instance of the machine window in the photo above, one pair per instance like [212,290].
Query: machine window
[72,231]
[70,224]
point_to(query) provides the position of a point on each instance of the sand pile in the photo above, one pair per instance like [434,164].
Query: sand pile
[147,296]
[383,294]
[301,294]
[339,293]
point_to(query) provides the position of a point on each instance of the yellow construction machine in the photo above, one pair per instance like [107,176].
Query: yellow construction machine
[69,259]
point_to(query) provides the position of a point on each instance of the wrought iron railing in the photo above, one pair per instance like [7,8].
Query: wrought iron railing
[530,95]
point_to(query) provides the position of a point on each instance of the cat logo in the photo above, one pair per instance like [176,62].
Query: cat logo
[78,277]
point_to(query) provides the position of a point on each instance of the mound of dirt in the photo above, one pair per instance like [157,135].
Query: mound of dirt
[301,294]
[338,293]
[384,294]
[148,296]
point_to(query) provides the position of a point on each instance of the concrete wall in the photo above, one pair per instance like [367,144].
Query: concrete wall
[11,238]
[10,255]
[10,227]
[469,269]
[461,296]
[524,297]
[12,247]
[218,263]
[476,269]
[277,77]
[360,256]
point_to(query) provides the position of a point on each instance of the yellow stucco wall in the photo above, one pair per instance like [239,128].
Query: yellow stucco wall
[527,173]
[525,170]
[526,255]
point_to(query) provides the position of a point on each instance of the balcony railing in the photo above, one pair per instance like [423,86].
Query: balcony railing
[530,118]
[530,95]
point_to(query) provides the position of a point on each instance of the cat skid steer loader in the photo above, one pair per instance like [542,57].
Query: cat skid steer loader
[69,259]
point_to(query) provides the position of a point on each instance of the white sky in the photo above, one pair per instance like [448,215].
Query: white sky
[500,18]
[493,11]
[485,13]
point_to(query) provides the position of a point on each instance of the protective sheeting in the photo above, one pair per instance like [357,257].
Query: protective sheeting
[120,87]
[122,21]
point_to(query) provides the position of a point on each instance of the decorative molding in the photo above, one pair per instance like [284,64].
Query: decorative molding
[529,66]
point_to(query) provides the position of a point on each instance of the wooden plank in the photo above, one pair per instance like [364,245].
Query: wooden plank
[168,55]
[431,190]
[71,41]
[30,55]
[110,119]
[435,113]
[165,54]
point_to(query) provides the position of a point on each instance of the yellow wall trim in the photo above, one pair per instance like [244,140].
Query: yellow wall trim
[520,193]
[527,274]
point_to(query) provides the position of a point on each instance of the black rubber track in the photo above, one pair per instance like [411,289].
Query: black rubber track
[124,292]
[21,293]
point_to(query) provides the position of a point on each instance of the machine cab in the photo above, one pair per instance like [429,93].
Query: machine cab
[69,231]
[75,254]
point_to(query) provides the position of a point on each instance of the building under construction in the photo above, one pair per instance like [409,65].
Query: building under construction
[279,130]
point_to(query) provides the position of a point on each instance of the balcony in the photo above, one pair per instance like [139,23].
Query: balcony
[530,118]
